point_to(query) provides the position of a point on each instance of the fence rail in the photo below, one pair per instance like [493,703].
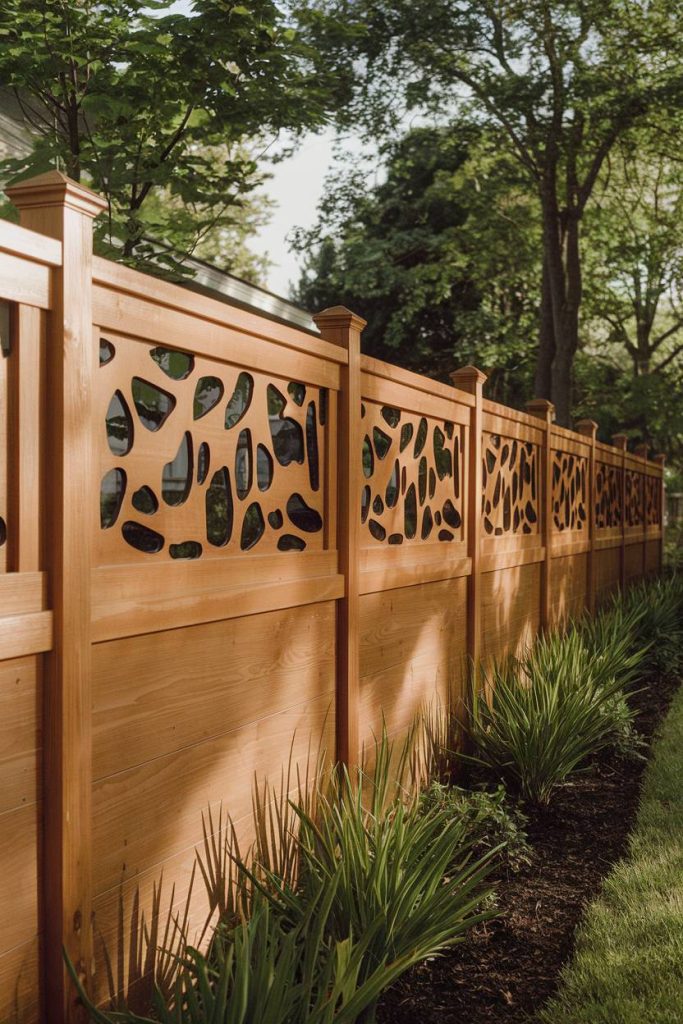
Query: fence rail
[218,532]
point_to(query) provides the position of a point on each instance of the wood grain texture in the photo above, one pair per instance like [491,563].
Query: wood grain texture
[568,587]
[19,984]
[607,572]
[510,609]
[145,814]
[20,733]
[413,650]
[156,693]
[19,875]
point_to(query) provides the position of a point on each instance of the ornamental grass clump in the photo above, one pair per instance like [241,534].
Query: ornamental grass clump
[548,712]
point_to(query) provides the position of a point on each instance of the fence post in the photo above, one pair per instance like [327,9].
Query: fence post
[589,429]
[641,451]
[472,380]
[661,460]
[545,411]
[620,441]
[342,327]
[54,205]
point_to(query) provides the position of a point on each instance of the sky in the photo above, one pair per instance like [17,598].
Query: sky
[296,187]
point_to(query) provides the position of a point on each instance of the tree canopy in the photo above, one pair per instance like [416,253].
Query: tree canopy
[559,83]
[158,110]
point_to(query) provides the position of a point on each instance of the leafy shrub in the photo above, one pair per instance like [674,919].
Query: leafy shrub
[657,607]
[489,820]
[548,714]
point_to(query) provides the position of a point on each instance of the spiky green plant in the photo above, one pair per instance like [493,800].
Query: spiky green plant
[545,718]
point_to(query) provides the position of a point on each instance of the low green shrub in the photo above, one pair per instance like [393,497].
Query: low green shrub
[658,609]
[549,712]
[489,818]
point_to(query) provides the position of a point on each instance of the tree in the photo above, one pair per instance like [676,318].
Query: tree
[559,82]
[634,293]
[148,105]
[425,257]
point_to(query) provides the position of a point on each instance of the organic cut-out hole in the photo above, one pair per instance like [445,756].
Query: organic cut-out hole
[437,518]
[378,506]
[112,490]
[142,538]
[365,503]
[253,527]
[427,523]
[207,395]
[381,441]
[446,535]
[451,515]
[240,400]
[203,462]
[422,480]
[219,510]
[119,425]
[288,542]
[176,365]
[368,457]
[276,401]
[420,437]
[286,433]
[442,456]
[176,478]
[395,538]
[3,531]
[107,351]
[153,404]
[322,406]
[186,549]
[302,515]
[264,467]
[377,530]
[406,436]
[410,512]
[432,483]
[275,519]
[145,500]
[312,447]
[297,392]
[243,465]
[448,427]
[362,410]
[391,493]
[391,416]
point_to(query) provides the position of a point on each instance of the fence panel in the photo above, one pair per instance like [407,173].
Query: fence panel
[247,532]
[26,262]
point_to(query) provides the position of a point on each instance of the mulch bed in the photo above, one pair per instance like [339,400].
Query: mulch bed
[507,969]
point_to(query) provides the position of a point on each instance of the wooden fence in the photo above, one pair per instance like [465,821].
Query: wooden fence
[219,532]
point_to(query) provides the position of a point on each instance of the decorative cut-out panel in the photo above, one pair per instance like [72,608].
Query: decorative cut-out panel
[634,498]
[607,496]
[653,501]
[569,494]
[201,459]
[412,467]
[510,486]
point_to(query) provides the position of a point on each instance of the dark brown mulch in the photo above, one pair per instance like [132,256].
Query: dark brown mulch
[506,970]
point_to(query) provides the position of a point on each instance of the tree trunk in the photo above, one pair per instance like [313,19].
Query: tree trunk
[546,341]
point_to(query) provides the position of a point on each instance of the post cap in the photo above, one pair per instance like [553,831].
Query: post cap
[620,441]
[338,316]
[55,189]
[660,459]
[542,408]
[468,378]
[641,450]
[588,428]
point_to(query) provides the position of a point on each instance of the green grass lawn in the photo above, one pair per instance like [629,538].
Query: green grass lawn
[628,964]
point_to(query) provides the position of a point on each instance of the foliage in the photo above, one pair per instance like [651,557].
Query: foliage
[425,257]
[548,714]
[557,84]
[156,108]
[658,605]
[627,963]
[489,819]
[333,903]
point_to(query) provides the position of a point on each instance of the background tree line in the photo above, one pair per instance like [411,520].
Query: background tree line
[528,214]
